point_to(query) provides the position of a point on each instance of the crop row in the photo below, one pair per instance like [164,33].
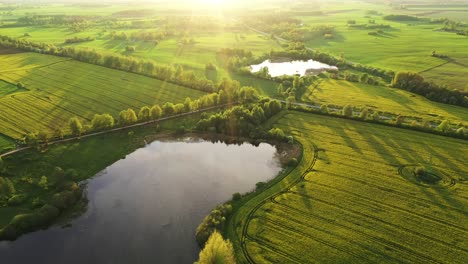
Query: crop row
[357,128]
[384,209]
[362,218]
[406,149]
[380,190]
[134,83]
[355,203]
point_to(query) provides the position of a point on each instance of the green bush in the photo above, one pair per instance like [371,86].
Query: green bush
[236,196]
[71,174]
[23,223]
[420,171]
[17,199]
[276,133]
[348,111]
[324,109]
[64,199]
[214,221]
[6,187]
[292,162]
[259,185]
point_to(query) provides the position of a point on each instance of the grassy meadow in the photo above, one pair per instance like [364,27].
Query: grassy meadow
[383,99]
[169,51]
[59,90]
[405,46]
[346,199]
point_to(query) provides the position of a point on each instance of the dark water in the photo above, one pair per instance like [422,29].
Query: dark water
[145,208]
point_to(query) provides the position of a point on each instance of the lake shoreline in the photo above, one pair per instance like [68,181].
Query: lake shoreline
[67,216]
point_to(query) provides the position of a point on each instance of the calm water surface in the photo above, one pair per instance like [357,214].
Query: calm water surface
[292,67]
[146,207]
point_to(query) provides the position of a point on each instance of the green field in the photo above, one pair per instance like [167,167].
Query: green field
[406,46]
[60,90]
[170,51]
[347,200]
[380,98]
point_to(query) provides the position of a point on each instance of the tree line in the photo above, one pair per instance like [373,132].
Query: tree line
[243,120]
[445,127]
[145,36]
[229,92]
[415,83]
[174,74]
[78,40]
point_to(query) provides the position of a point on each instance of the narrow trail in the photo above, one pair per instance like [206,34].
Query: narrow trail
[117,129]
[245,236]
[435,67]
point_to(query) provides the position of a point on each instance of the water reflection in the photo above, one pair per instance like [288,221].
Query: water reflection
[301,68]
[146,207]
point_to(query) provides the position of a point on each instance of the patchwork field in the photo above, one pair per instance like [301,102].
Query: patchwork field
[169,51]
[380,98]
[354,197]
[395,48]
[59,90]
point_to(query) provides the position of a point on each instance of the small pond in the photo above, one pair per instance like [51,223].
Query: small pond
[145,208]
[301,68]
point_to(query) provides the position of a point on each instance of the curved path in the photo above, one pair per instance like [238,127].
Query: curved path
[245,236]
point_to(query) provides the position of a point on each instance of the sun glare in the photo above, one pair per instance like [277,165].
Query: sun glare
[214,2]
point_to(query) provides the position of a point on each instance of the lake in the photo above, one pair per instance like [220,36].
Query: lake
[145,208]
[301,68]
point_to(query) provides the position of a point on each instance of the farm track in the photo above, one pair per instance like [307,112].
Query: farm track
[435,67]
[375,218]
[374,135]
[112,90]
[369,201]
[24,114]
[265,244]
[322,241]
[258,206]
[272,214]
[382,241]
[118,129]
[81,88]
[73,91]
[424,154]
[385,243]
[389,190]
[395,130]
[49,107]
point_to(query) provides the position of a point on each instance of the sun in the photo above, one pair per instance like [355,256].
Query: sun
[214,2]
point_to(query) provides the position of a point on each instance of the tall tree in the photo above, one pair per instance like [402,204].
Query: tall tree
[75,126]
[43,136]
[127,117]
[156,112]
[217,251]
[104,121]
[144,114]
[348,111]
[168,109]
